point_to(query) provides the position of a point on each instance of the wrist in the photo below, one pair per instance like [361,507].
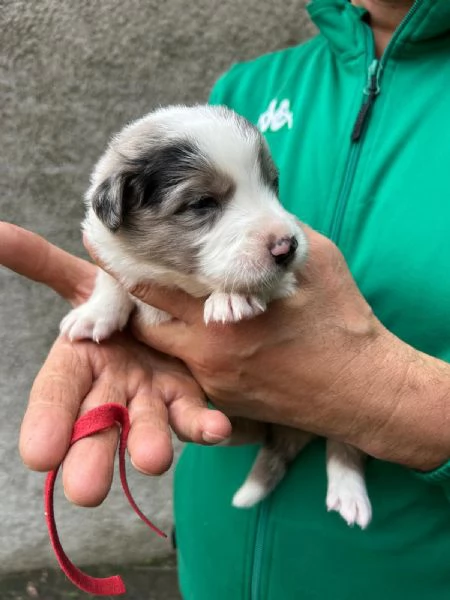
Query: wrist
[406,416]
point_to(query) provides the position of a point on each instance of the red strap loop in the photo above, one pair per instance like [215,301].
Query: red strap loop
[95,420]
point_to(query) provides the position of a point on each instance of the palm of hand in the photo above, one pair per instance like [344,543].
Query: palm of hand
[159,391]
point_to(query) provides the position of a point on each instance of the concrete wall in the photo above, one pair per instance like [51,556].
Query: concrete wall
[71,73]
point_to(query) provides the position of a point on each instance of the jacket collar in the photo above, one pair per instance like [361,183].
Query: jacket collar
[427,25]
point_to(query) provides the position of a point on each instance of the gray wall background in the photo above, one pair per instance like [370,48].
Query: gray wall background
[71,74]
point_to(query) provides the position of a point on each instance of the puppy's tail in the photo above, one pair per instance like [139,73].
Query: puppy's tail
[270,465]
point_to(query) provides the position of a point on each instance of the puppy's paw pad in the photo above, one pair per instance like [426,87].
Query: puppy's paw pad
[92,322]
[230,308]
[249,494]
[350,500]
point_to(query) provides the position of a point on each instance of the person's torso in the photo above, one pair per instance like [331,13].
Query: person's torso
[385,200]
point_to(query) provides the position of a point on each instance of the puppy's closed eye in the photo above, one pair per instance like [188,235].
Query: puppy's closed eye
[203,206]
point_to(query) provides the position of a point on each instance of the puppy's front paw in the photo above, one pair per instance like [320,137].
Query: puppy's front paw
[230,308]
[348,496]
[94,321]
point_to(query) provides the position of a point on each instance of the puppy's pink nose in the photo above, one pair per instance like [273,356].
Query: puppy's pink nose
[283,250]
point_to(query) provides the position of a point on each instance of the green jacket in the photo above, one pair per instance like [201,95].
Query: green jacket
[384,198]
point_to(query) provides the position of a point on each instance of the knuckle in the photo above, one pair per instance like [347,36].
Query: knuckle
[139,290]
[207,362]
[326,246]
[328,255]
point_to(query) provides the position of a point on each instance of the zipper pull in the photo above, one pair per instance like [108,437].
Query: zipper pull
[371,90]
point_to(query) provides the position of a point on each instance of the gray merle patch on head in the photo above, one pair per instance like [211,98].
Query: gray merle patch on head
[161,202]
[143,182]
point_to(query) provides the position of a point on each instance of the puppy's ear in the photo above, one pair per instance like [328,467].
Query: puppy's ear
[108,200]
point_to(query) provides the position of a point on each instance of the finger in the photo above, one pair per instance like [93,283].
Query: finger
[192,421]
[322,254]
[179,304]
[89,465]
[176,302]
[33,257]
[149,442]
[167,337]
[55,399]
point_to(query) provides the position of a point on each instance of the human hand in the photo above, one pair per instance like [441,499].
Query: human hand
[281,366]
[319,361]
[158,390]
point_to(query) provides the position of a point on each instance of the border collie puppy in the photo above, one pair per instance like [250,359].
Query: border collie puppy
[188,197]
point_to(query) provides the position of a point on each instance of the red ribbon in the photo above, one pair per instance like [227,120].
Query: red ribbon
[95,420]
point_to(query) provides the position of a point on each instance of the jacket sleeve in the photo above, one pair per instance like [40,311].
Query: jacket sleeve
[439,476]
[221,93]
[217,93]
[232,87]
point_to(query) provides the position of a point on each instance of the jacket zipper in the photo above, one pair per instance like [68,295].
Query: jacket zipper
[261,523]
[371,92]
[263,510]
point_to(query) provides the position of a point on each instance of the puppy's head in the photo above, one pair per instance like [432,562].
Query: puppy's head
[194,190]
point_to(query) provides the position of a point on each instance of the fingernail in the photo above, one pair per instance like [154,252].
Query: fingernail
[212,438]
[138,468]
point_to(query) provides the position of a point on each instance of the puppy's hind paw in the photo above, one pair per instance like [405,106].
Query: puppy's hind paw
[349,498]
[249,494]
[230,308]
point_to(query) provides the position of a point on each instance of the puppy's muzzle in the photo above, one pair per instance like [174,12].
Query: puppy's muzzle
[283,250]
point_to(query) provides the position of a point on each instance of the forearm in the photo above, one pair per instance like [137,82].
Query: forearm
[405,413]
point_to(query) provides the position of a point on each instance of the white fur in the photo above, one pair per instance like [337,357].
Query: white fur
[347,492]
[106,311]
[233,255]
[249,494]
[229,308]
